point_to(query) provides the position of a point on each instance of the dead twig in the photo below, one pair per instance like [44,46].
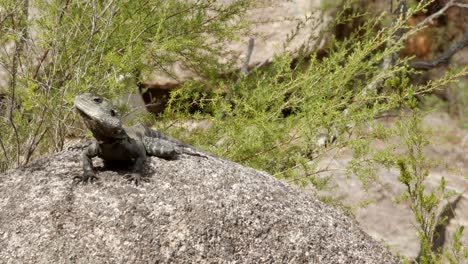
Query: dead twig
[419,65]
[443,58]
[437,14]
[248,54]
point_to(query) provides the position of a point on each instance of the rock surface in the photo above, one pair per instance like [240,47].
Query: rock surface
[192,210]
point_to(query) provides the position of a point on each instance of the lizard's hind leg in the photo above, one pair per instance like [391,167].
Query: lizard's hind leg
[160,148]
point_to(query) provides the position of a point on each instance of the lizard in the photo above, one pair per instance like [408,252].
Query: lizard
[118,145]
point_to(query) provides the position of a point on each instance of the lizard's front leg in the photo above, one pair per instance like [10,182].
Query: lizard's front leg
[88,171]
[137,168]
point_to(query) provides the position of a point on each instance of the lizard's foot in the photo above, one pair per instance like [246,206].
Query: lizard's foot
[79,146]
[136,178]
[85,178]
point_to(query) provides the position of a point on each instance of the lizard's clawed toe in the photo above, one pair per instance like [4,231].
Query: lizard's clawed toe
[85,178]
[136,178]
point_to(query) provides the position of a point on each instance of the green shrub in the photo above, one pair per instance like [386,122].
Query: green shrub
[276,117]
[53,50]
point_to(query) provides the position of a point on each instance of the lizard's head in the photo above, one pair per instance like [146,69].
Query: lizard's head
[100,116]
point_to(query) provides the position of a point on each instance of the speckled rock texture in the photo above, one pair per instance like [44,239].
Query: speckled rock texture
[192,210]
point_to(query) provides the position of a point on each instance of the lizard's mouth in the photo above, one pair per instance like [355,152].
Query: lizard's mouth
[87,120]
[83,114]
[99,129]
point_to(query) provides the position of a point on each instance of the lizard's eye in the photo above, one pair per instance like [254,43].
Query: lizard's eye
[113,112]
[97,100]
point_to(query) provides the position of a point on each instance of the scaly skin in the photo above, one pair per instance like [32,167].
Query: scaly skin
[118,145]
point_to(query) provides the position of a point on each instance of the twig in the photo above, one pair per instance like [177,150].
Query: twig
[8,15]
[311,174]
[244,71]
[248,54]
[5,154]
[421,65]
[165,18]
[294,137]
[41,61]
[430,18]
[33,144]
[135,109]
[390,59]
[444,218]
[461,5]
[245,66]
[443,58]
[46,52]
[14,72]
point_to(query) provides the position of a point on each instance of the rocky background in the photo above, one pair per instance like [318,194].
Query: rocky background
[43,199]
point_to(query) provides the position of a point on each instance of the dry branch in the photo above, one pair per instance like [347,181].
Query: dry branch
[443,58]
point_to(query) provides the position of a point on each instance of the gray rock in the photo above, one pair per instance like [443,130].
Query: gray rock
[192,210]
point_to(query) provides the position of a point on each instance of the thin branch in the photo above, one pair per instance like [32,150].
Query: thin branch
[135,109]
[390,59]
[14,72]
[5,153]
[292,138]
[431,18]
[443,58]
[420,65]
[244,71]
[41,61]
[33,143]
[46,52]
[245,67]
[164,19]
[8,15]
[248,54]
[447,215]
[461,5]
[307,175]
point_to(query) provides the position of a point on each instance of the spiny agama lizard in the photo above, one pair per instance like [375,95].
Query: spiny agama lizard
[125,147]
